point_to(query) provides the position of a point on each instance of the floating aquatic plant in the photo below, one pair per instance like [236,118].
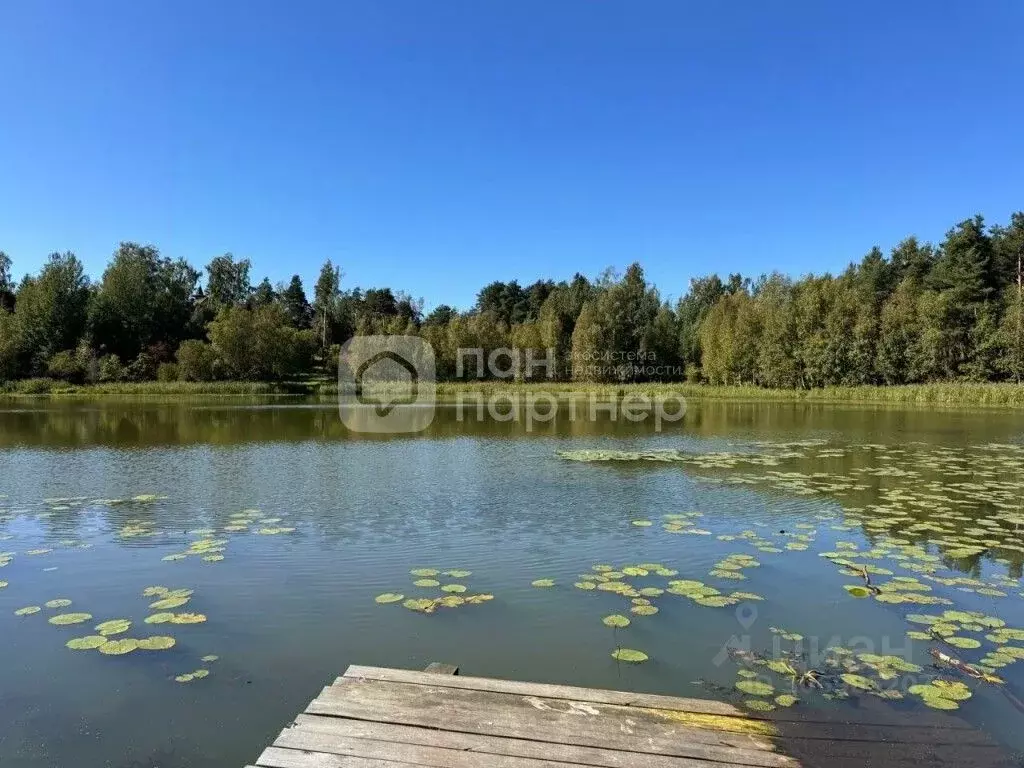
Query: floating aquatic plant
[87,643]
[156,643]
[113,627]
[118,647]
[64,619]
[629,655]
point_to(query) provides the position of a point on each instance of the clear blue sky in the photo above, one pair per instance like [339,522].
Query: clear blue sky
[437,145]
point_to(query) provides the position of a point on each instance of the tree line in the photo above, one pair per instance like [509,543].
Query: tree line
[921,313]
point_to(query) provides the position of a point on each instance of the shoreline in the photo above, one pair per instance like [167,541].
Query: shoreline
[953,394]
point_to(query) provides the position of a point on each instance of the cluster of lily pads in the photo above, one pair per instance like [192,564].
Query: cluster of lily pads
[211,549]
[641,584]
[937,511]
[108,636]
[455,594]
[840,674]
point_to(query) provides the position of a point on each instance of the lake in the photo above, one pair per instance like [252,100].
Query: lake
[282,528]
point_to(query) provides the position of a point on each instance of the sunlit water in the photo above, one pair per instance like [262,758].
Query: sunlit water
[287,612]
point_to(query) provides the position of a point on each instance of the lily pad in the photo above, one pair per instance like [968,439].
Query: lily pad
[156,643]
[629,655]
[389,597]
[61,602]
[64,619]
[859,681]
[543,583]
[113,627]
[755,687]
[643,610]
[615,620]
[118,647]
[87,643]
[188,618]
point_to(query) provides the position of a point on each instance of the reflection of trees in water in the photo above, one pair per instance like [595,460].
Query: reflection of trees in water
[224,421]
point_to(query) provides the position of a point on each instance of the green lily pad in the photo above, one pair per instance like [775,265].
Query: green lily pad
[88,643]
[64,619]
[643,610]
[156,643]
[629,655]
[28,610]
[859,681]
[755,687]
[168,603]
[113,627]
[118,647]
[188,618]
[61,602]
[543,583]
[388,597]
[615,620]
[455,588]
[426,583]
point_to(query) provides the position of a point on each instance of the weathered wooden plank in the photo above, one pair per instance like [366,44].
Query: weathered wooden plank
[651,700]
[810,753]
[437,668]
[733,731]
[491,745]
[274,757]
[443,756]
[517,717]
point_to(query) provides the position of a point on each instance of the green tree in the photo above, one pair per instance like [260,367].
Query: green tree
[899,340]
[197,361]
[263,294]
[691,310]
[142,300]
[6,283]
[259,343]
[777,358]
[50,312]
[293,299]
[227,281]
[326,295]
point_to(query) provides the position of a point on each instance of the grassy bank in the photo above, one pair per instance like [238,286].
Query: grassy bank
[944,394]
[31,387]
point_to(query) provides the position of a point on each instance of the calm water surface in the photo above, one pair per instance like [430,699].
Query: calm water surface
[287,612]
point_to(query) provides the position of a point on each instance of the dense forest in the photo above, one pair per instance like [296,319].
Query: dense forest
[922,313]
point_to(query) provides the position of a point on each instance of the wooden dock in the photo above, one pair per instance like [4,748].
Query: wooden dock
[390,718]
